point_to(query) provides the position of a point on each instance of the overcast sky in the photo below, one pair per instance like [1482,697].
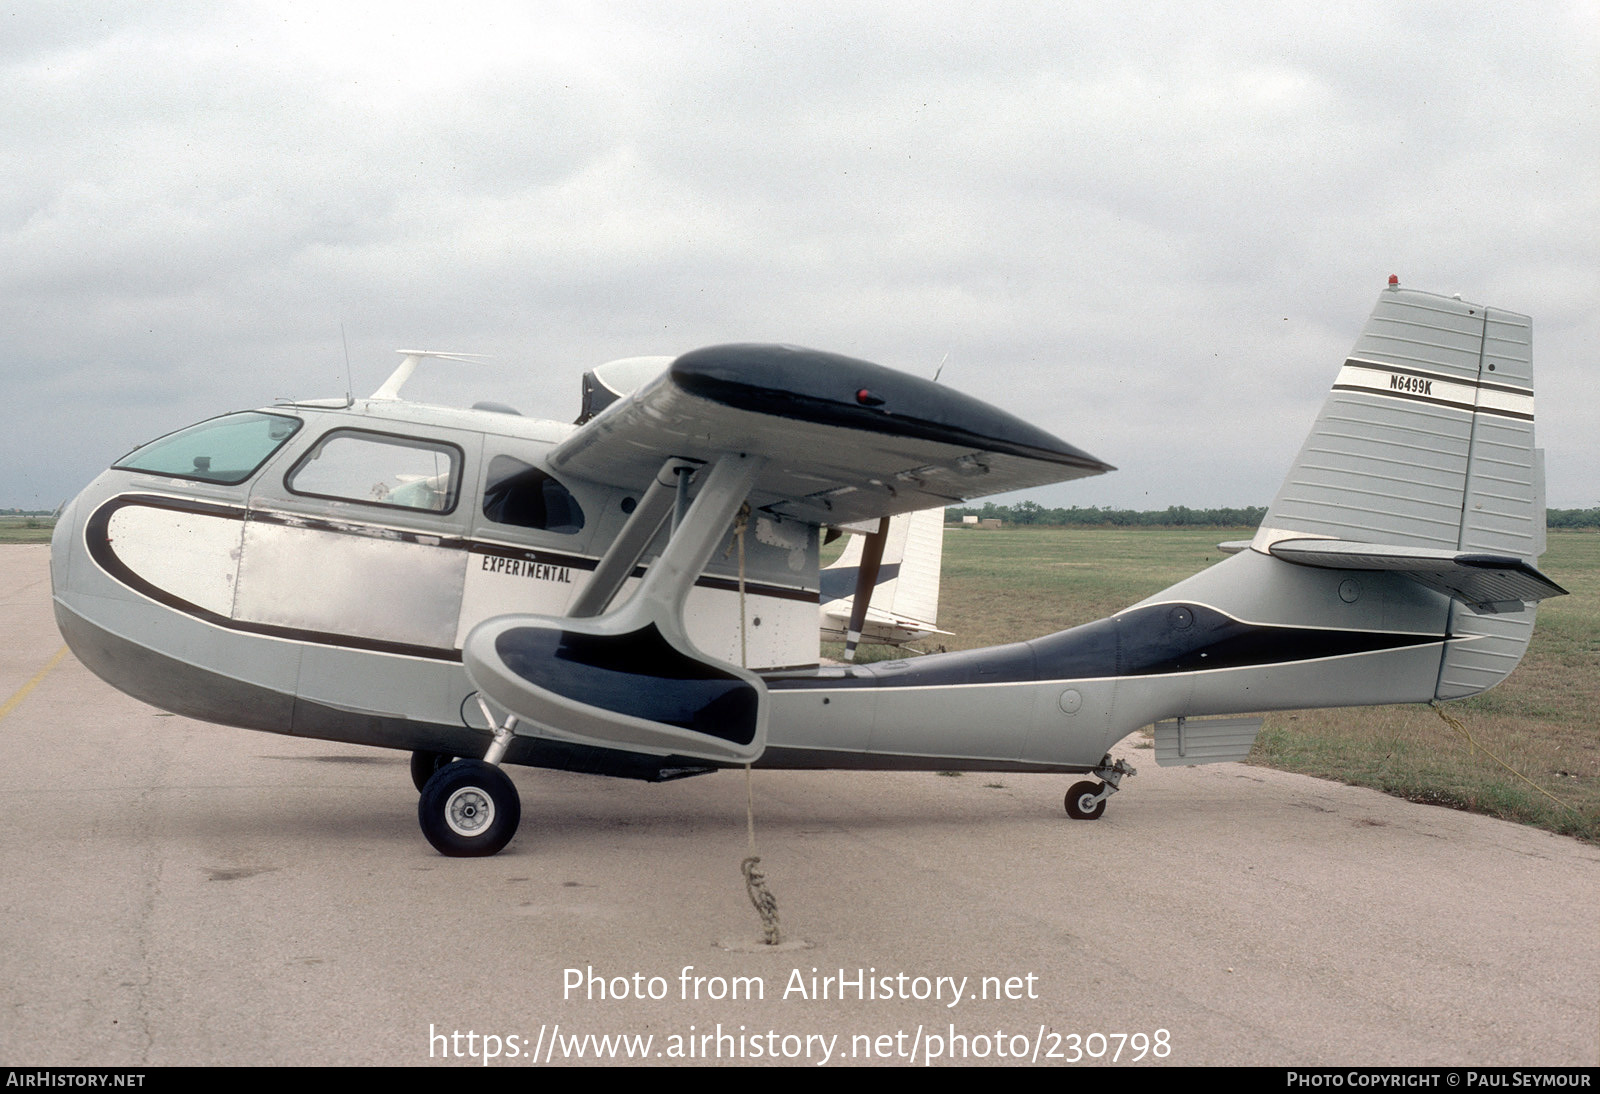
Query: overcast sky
[1152,229]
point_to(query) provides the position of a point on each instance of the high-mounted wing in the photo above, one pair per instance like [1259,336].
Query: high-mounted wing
[807,435]
[844,440]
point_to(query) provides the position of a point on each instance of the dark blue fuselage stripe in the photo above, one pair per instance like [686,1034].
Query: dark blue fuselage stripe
[97,541]
[1158,640]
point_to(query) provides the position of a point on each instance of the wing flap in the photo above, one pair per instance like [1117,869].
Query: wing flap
[1487,582]
[846,440]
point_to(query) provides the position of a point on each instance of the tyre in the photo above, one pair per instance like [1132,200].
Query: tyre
[469,809]
[424,764]
[1081,804]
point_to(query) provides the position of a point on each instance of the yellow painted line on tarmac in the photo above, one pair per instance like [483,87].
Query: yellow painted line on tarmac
[22,692]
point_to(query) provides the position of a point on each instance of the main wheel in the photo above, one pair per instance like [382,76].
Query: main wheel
[469,809]
[424,764]
[1081,804]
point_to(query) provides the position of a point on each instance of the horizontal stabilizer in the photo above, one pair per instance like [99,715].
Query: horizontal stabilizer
[1487,582]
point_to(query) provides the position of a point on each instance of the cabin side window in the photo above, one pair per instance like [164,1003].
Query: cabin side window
[380,469]
[520,494]
[225,450]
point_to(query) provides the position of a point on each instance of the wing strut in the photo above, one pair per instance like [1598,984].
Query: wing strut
[866,582]
[629,546]
[629,677]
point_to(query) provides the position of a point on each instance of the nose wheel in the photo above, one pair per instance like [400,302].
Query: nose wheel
[469,809]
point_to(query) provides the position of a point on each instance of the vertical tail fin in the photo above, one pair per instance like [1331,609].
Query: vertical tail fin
[1427,437]
[1426,446]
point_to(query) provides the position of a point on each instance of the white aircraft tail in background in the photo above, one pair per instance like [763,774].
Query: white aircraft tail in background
[904,593]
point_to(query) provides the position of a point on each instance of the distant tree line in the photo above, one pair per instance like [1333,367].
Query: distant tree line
[1179,516]
[1572,518]
[1030,512]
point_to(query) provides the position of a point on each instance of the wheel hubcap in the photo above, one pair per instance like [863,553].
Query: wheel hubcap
[469,812]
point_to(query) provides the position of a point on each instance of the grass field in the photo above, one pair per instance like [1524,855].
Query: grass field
[1014,583]
[25,529]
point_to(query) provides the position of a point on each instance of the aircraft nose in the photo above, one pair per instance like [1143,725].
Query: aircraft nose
[66,534]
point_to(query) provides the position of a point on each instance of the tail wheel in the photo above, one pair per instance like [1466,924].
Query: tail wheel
[1083,802]
[469,809]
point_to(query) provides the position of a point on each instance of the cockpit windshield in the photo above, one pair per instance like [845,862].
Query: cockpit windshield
[225,450]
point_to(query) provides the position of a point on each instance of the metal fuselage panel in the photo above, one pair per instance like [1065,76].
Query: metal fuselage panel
[251,605]
[1063,700]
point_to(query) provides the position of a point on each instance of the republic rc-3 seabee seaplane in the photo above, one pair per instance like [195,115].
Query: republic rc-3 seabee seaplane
[637,595]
